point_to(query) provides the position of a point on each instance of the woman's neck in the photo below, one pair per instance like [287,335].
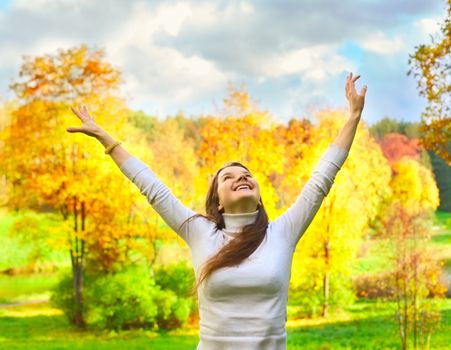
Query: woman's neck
[235,222]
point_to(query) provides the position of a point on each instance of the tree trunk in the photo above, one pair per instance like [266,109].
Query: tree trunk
[77,253]
[325,311]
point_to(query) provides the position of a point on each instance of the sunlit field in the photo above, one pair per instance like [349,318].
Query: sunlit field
[28,321]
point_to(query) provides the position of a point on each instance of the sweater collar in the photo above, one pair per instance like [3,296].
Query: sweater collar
[235,222]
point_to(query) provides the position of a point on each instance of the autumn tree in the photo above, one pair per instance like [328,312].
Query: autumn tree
[46,167]
[5,115]
[415,276]
[248,137]
[395,146]
[414,186]
[430,64]
[176,165]
[323,261]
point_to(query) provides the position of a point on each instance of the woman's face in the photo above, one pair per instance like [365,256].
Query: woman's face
[233,198]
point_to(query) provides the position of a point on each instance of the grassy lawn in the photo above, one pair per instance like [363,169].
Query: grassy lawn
[21,288]
[40,327]
[366,325]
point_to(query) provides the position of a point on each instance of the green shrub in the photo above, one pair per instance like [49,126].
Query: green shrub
[131,298]
[175,304]
[178,277]
[173,311]
[122,300]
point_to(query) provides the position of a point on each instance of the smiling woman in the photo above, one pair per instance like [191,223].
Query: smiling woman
[238,191]
[242,261]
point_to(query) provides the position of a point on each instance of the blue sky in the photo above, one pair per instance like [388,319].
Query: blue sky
[292,56]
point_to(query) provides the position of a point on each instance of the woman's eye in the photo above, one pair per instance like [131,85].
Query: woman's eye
[228,177]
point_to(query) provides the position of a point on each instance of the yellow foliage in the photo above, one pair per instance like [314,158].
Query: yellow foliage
[414,185]
[330,244]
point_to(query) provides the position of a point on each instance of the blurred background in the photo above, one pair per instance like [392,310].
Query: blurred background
[85,261]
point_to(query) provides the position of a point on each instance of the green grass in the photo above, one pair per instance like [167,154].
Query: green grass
[442,238]
[372,327]
[26,287]
[378,251]
[377,258]
[378,332]
[443,218]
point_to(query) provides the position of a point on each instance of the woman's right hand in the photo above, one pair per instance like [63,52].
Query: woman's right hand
[89,127]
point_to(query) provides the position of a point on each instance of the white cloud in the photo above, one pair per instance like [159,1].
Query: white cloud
[161,74]
[246,7]
[315,63]
[379,43]
[428,25]
[168,18]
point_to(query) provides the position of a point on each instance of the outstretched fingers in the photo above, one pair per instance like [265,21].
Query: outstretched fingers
[349,81]
[350,84]
[81,113]
[363,91]
[77,113]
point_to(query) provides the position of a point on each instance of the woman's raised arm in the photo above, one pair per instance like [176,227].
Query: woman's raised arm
[172,211]
[296,219]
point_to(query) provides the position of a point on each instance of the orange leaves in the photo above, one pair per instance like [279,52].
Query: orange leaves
[396,145]
[249,139]
[238,101]
[66,75]
[44,165]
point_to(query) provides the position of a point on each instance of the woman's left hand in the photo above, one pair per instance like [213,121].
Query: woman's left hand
[356,101]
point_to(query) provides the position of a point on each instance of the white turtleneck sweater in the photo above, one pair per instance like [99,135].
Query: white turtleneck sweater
[242,307]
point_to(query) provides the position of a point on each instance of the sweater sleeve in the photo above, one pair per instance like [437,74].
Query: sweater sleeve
[296,219]
[172,211]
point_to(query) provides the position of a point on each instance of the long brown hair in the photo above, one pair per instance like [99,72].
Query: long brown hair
[239,248]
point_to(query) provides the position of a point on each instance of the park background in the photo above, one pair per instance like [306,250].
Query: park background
[85,262]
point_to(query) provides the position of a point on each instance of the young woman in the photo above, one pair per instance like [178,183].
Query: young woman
[242,261]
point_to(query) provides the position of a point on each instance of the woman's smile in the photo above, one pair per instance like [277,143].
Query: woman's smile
[243,188]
